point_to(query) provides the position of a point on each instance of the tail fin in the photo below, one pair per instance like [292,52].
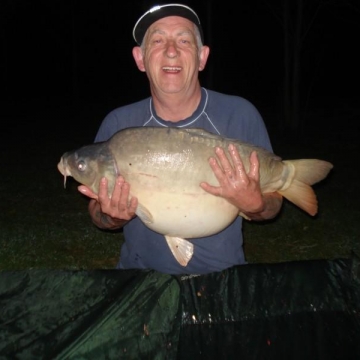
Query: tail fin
[307,173]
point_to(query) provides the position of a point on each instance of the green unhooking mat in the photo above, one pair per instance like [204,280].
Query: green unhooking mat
[296,310]
[88,315]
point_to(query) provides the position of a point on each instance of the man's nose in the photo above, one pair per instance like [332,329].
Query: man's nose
[171,49]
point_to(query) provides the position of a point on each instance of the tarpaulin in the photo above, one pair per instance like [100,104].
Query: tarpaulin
[295,310]
[88,315]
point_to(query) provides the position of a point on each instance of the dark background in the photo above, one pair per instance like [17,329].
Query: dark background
[64,64]
[73,57]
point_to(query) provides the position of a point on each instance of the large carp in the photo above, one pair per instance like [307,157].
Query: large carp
[164,167]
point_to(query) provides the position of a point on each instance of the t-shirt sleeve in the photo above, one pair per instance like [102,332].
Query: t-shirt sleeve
[134,114]
[247,124]
[257,130]
[108,127]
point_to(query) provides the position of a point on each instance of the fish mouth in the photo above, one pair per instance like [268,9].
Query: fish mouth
[62,167]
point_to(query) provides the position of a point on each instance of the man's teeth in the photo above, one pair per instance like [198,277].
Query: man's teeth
[168,68]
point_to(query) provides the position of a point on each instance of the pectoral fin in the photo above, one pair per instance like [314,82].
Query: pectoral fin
[244,216]
[181,249]
[144,214]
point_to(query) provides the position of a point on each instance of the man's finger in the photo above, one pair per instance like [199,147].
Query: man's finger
[214,190]
[254,171]
[237,161]
[116,193]
[87,192]
[224,160]
[103,188]
[217,169]
[133,205]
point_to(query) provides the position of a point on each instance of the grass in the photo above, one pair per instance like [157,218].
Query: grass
[47,226]
[44,225]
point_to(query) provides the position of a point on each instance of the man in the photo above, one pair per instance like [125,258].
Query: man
[171,53]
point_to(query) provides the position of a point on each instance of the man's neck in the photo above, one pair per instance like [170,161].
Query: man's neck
[177,107]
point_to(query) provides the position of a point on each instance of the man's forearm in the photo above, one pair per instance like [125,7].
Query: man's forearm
[272,206]
[104,221]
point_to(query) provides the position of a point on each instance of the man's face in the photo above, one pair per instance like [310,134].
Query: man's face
[171,57]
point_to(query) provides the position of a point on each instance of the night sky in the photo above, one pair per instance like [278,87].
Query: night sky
[62,52]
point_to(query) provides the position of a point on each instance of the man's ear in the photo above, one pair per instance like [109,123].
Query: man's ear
[138,57]
[204,54]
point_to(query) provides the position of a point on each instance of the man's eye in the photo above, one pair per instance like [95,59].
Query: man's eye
[185,42]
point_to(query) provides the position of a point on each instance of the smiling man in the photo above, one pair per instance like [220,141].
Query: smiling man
[171,52]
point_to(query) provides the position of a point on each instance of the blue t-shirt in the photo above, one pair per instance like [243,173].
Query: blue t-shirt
[226,115]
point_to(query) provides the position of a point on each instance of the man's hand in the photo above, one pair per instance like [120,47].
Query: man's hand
[240,188]
[111,212]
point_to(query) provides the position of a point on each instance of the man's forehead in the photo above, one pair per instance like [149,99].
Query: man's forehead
[172,22]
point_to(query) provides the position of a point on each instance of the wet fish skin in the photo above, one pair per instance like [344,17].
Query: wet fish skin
[164,167]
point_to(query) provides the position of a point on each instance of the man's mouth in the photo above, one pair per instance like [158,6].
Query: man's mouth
[171,69]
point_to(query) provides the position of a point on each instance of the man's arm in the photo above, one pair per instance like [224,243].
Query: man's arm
[111,212]
[272,206]
[102,220]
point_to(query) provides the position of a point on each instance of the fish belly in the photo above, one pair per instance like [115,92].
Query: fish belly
[189,215]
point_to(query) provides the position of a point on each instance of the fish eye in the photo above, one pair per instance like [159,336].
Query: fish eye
[81,165]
